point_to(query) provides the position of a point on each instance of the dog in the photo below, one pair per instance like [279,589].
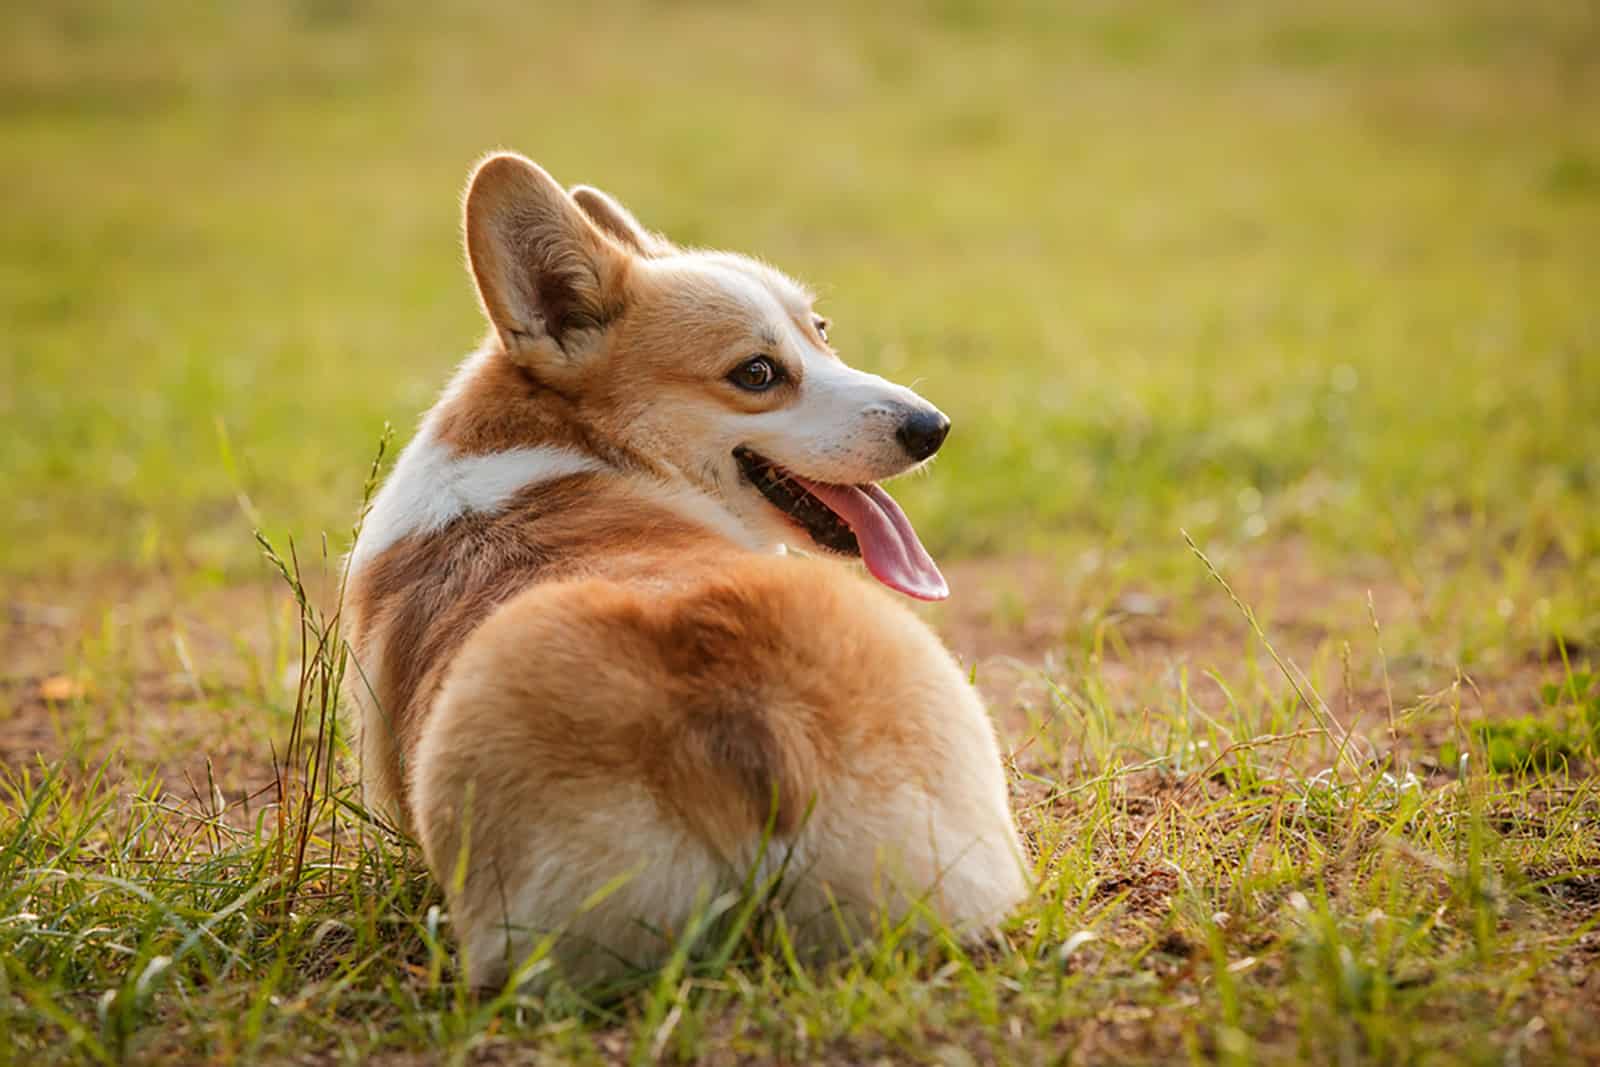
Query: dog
[592,681]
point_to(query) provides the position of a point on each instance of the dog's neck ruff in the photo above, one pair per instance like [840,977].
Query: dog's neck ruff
[432,485]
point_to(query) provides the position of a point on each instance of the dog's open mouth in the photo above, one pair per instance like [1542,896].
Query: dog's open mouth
[854,520]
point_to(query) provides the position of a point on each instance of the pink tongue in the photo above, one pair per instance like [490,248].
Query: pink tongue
[889,546]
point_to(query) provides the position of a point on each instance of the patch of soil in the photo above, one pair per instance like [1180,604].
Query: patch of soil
[1029,626]
[1145,890]
[135,674]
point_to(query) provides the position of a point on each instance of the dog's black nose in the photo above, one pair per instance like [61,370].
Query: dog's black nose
[923,432]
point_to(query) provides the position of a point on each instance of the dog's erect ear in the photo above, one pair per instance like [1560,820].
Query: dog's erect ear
[605,212]
[550,281]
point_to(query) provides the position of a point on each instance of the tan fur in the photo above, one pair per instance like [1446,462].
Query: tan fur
[604,678]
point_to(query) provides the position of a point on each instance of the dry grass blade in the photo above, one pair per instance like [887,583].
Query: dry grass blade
[1310,699]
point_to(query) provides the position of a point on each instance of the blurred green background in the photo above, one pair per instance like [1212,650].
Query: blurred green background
[1267,271]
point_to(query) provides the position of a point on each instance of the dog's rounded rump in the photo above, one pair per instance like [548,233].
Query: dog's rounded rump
[605,755]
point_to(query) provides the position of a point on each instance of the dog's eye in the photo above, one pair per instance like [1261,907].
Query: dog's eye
[756,374]
[822,328]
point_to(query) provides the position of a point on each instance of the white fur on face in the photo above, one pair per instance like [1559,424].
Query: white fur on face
[841,429]
[840,426]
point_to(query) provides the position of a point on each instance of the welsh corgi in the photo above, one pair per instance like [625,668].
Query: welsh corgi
[592,681]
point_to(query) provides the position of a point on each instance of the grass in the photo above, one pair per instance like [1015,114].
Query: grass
[1311,282]
[1213,884]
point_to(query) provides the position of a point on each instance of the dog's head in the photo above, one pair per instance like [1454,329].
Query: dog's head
[711,368]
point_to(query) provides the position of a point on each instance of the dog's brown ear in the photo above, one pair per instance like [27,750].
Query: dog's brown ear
[605,212]
[550,281]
